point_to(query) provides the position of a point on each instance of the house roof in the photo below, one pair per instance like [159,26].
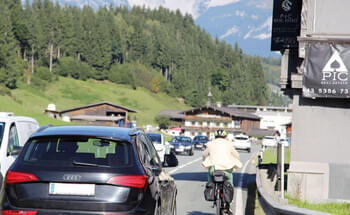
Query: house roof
[97,118]
[173,114]
[227,110]
[97,104]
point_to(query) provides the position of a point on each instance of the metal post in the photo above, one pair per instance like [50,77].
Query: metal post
[282,170]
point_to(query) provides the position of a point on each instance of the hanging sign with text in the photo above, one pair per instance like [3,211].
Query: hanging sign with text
[326,73]
[285,24]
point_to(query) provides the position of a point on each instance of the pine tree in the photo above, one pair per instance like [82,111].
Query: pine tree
[8,43]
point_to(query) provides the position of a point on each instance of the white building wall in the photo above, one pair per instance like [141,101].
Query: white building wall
[275,120]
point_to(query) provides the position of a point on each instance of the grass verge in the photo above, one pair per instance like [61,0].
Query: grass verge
[333,208]
[270,156]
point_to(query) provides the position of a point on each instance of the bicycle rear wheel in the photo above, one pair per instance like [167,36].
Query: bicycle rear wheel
[218,206]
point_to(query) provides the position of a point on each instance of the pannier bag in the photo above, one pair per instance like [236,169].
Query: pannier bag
[209,192]
[228,192]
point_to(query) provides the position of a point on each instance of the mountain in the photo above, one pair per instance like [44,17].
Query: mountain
[247,22]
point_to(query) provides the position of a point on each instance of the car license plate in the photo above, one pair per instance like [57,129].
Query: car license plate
[72,189]
[180,149]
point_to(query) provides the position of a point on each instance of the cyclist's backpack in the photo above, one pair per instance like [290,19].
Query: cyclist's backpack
[228,192]
[209,192]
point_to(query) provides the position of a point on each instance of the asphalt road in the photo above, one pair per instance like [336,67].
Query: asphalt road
[191,178]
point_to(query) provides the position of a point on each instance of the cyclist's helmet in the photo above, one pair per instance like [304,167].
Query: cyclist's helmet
[220,133]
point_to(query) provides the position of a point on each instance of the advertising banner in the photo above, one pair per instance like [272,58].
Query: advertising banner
[285,24]
[326,73]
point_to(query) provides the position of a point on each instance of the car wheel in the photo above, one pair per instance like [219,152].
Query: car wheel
[248,150]
[174,208]
[191,152]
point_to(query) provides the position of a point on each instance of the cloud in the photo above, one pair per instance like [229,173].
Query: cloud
[231,31]
[261,32]
[185,6]
[262,4]
[240,13]
[254,17]
[217,3]
[262,36]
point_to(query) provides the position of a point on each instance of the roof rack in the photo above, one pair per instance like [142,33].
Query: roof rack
[43,127]
[135,131]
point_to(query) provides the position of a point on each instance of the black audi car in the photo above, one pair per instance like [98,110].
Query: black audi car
[88,170]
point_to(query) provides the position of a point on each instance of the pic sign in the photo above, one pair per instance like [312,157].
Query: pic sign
[285,24]
[326,73]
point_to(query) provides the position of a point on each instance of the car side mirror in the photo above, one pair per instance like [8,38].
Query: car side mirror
[154,169]
[15,151]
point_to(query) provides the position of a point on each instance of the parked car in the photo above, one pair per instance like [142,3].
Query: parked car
[88,170]
[200,142]
[242,142]
[14,132]
[269,141]
[162,147]
[285,141]
[182,144]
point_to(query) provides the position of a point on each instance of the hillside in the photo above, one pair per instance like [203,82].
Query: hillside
[68,93]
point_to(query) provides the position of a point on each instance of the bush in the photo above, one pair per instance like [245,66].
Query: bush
[122,74]
[163,122]
[44,74]
[68,66]
[38,83]
[5,91]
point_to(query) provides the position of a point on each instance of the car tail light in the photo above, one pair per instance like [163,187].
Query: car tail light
[19,177]
[17,212]
[136,181]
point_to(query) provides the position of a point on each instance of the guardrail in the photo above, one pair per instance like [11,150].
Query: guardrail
[273,206]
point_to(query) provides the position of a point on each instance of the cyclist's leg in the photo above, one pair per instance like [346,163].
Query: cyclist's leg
[210,173]
[229,176]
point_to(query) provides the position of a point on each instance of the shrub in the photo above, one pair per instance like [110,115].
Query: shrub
[68,66]
[44,74]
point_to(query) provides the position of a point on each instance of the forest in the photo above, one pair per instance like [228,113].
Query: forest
[161,50]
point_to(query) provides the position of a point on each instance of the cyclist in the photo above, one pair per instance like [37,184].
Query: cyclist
[220,154]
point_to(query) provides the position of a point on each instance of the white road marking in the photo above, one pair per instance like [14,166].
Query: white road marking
[184,165]
[239,196]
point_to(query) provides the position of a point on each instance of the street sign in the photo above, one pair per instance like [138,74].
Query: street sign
[326,72]
[285,24]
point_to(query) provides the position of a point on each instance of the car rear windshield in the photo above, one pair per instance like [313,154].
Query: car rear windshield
[182,139]
[156,138]
[201,138]
[241,138]
[269,138]
[81,151]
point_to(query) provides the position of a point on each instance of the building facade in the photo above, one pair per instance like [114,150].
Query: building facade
[206,120]
[316,76]
[271,118]
[103,113]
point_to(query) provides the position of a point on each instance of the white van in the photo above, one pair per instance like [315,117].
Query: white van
[14,132]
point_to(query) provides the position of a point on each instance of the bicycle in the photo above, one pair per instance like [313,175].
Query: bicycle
[222,207]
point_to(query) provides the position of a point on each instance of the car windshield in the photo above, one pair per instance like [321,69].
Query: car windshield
[156,138]
[2,127]
[182,139]
[205,138]
[269,138]
[81,151]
